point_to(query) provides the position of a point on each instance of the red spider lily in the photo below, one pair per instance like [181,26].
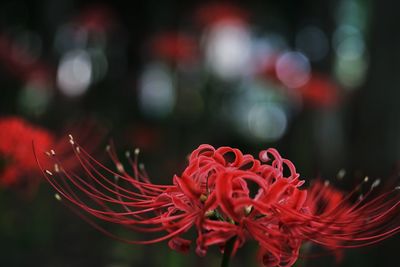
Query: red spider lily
[214,13]
[174,47]
[320,91]
[18,165]
[226,196]
[15,150]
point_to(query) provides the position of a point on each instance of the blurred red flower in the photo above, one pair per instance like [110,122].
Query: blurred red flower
[174,47]
[18,162]
[212,13]
[225,196]
[320,91]
[18,166]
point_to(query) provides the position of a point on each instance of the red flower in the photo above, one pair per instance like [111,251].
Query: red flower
[320,91]
[226,196]
[16,137]
[18,167]
[339,221]
[174,47]
[211,14]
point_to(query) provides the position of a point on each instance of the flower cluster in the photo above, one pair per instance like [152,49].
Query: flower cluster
[18,167]
[226,196]
[16,157]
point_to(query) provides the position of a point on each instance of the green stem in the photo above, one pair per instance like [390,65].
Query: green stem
[227,252]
